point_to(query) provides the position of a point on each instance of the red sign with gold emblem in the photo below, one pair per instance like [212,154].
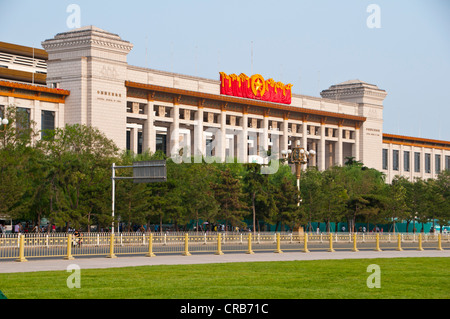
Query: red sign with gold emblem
[255,87]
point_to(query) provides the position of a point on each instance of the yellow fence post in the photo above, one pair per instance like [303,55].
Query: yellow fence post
[420,243]
[186,245]
[439,242]
[150,246]
[250,251]
[21,249]
[377,248]
[111,247]
[354,243]
[331,243]
[278,250]
[305,249]
[69,248]
[399,243]
[219,245]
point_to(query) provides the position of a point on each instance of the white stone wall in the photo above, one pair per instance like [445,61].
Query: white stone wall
[91,63]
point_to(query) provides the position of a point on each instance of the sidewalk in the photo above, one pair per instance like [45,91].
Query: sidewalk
[100,262]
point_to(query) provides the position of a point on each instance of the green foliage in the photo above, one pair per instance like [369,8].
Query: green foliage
[66,178]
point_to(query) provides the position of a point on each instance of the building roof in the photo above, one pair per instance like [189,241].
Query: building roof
[23,50]
[32,92]
[415,141]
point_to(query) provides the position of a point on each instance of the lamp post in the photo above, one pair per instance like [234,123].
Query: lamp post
[4,122]
[298,156]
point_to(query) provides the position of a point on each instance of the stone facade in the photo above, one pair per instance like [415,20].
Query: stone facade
[92,64]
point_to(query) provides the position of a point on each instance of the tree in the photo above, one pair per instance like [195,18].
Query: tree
[334,197]
[441,192]
[415,201]
[311,194]
[260,194]
[363,186]
[197,193]
[395,200]
[286,204]
[16,152]
[79,161]
[228,193]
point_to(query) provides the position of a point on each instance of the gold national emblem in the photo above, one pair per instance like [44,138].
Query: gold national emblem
[258,85]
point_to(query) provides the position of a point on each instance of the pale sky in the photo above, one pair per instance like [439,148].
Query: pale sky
[310,44]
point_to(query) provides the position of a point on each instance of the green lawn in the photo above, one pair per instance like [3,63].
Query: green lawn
[332,279]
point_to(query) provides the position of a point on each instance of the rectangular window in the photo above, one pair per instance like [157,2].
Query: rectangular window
[417,162]
[427,163]
[447,162]
[395,160]
[161,142]
[22,118]
[140,140]
[385,158]
[437,163]
[128,140]
[47,122]
[406,161]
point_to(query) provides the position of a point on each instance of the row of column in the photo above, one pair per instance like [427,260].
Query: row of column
[280,141]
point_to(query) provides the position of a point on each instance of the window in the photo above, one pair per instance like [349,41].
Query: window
[385,158]
[47,122]
[406,161]
[140,140]
[22,118]
[427,163]
[437,163]
[128,140]
[447,162]
[161,142]
[395,160]
[417,162]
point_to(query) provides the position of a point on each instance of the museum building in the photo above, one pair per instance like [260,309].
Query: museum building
[82,76]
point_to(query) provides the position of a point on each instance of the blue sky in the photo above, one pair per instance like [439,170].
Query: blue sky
[311,44]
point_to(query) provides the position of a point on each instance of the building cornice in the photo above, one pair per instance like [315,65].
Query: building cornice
[415,141]
[32,92]
[244,102]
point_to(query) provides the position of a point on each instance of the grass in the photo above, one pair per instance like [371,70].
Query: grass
[409,278]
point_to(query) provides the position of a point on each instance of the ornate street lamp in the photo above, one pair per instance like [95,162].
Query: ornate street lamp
[297,156]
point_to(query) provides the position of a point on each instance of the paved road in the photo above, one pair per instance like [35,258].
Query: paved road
[122,261]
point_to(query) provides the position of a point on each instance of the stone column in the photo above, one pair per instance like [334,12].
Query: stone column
[222,138]
[36,116]
[134,139]
[175,131]
[199,144]
[339,148]
[356,145]
[265,139]
[285,139]
[148,131]
[304,141]
[243,140]
[321,153]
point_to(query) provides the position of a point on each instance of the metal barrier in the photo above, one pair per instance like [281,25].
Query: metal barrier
[22,247]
